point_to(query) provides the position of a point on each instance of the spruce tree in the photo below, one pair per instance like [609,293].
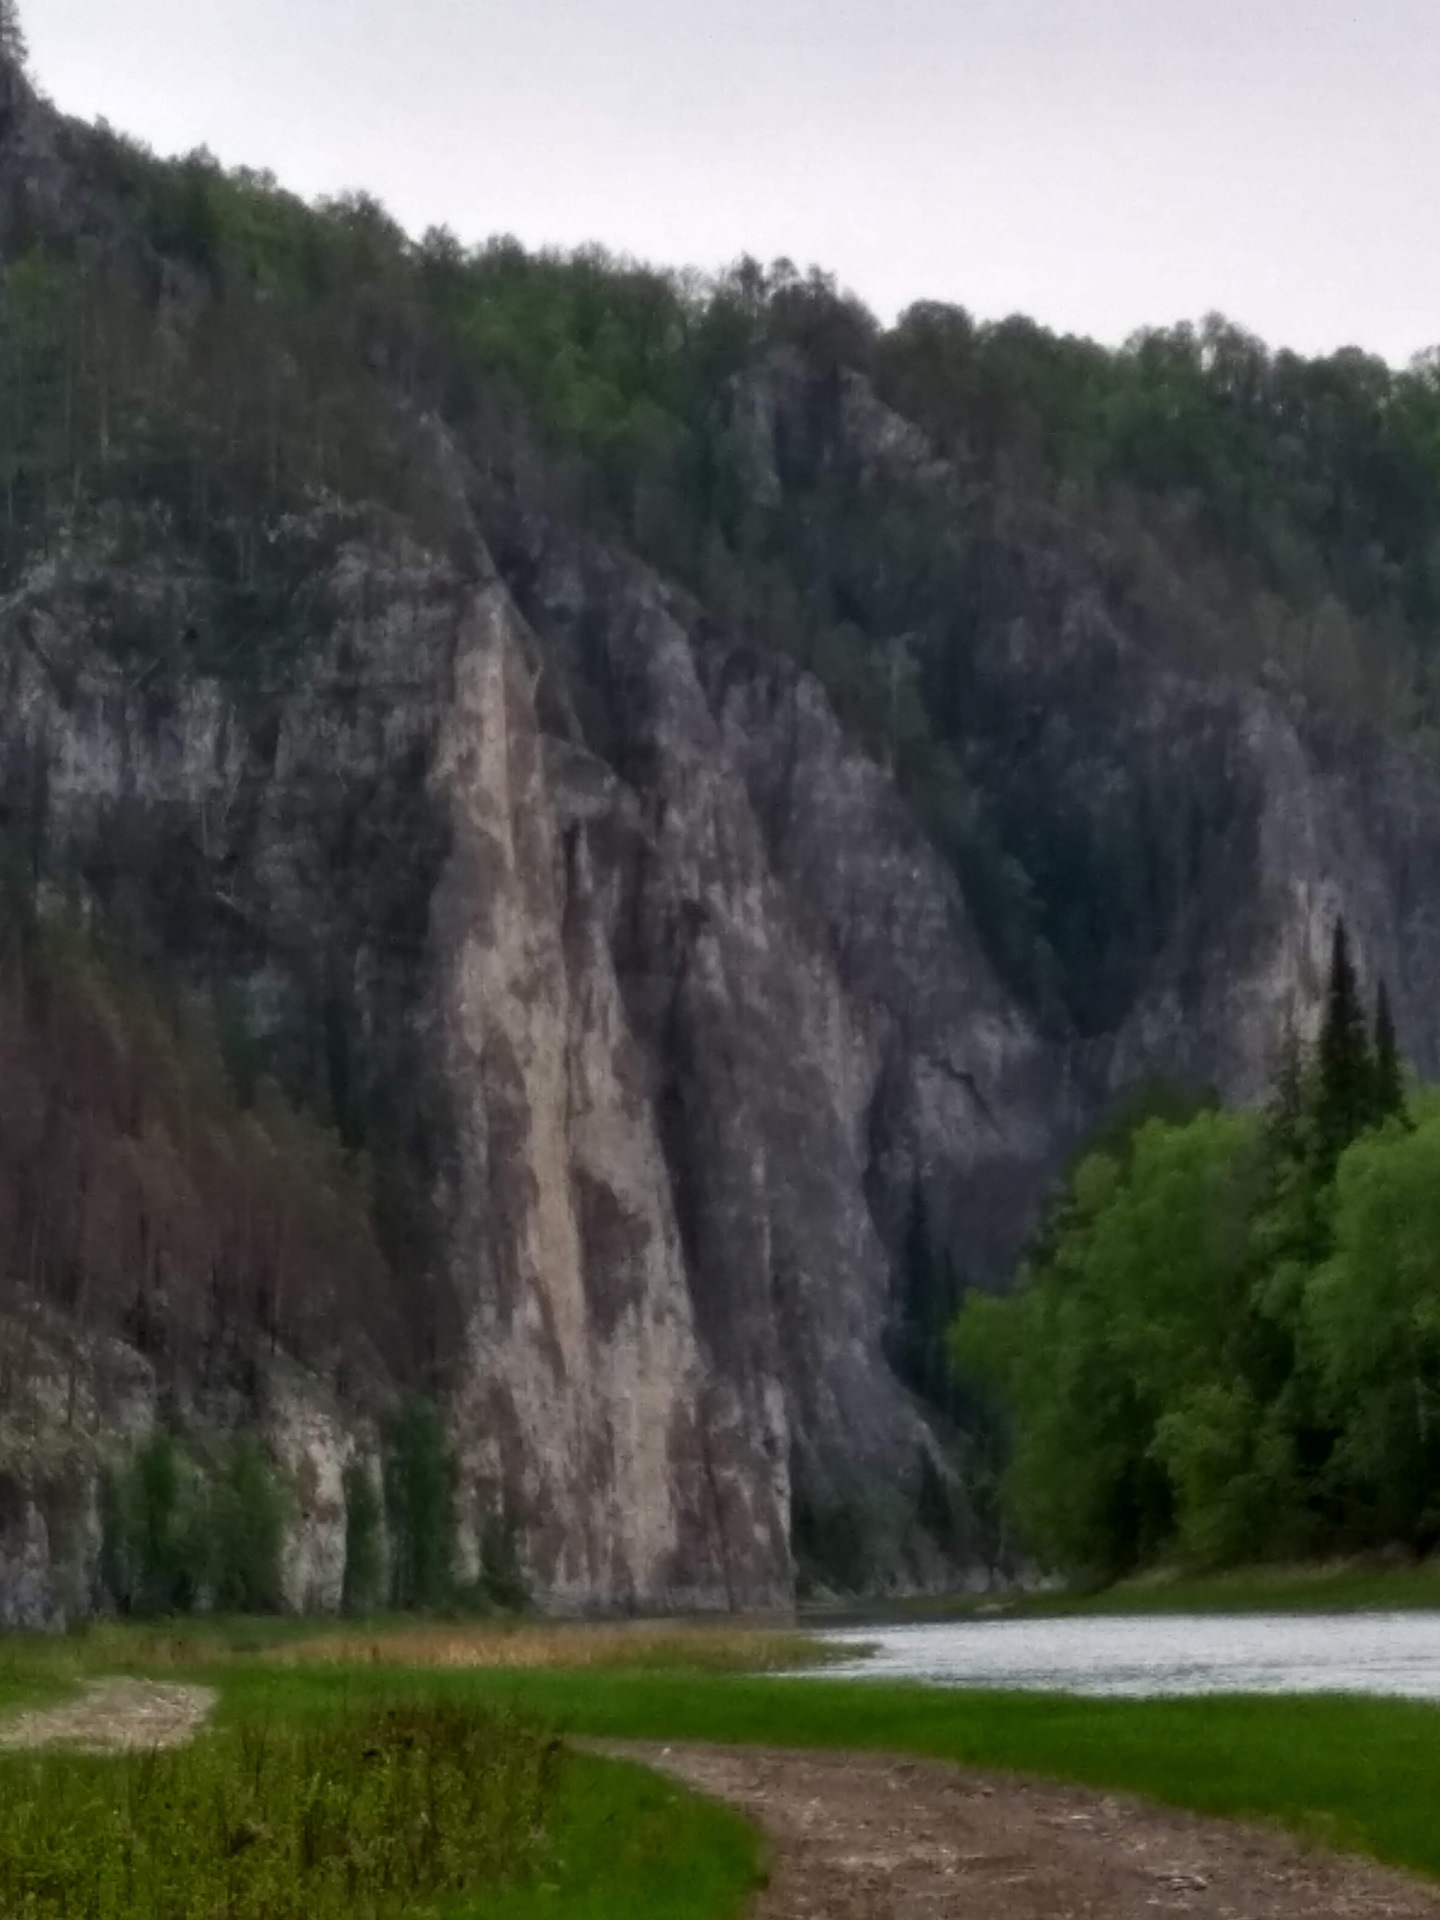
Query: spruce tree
[1345,1070]
[1389,1079]
[1288,1111]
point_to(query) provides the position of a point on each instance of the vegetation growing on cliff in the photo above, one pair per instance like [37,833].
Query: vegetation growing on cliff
[141,1196]
[246,359]
[1227,1344]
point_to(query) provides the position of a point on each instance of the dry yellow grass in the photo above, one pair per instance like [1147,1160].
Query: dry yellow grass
[680,1646]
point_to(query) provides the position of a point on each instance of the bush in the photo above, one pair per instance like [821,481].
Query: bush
[176,1537]
[247,1533]
[155,1552]
[419,1506]
[364,1555]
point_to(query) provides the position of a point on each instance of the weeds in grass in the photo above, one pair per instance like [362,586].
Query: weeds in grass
[371,1815]
[678,1648]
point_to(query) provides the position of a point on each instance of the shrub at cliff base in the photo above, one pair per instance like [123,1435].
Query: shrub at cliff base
[179,1532]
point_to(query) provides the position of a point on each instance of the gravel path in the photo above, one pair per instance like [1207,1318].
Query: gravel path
[873,1837]
[114,1716]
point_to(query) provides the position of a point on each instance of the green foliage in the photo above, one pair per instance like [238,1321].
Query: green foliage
[1225,1345]
[179,1534]
[157,1552]
[1389,1098]
[1374,1312]
[364,1578]
[396,1809]
[247,1528]
[419,1502]
[1345,1071]
[1142,1289]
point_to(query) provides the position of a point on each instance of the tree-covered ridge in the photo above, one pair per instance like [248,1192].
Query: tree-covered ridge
[896,508]
[1227,1344]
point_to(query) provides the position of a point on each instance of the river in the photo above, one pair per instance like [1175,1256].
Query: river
[1396,1654]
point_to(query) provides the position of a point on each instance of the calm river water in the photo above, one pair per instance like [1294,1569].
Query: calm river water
[1383,1653]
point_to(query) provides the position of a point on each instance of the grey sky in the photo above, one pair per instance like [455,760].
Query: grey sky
[1096,163]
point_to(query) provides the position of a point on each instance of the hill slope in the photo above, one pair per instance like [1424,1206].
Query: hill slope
[710,799]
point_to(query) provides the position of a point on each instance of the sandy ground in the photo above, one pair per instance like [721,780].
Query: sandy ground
[872,1837]
[114,1716]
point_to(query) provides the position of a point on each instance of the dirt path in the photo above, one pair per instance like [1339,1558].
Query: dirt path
[114,1716]
[873,1837]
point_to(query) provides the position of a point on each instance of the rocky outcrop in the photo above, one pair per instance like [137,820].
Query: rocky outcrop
[642,986]
[670,1002]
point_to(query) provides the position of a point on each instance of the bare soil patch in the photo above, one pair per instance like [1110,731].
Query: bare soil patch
[877,1837]
[114,1716]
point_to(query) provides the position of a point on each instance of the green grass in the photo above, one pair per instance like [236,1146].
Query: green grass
[1279,1589]
[399,1808]
[1339,1589]
[1361,1775]
[1356,1774]
[624,1842]
[367,1795]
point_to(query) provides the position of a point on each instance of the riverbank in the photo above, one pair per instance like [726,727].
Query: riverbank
[1353,1775]
[1343,1587]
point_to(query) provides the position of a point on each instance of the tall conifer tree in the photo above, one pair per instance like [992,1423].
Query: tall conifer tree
[1345,1070]
[1389,1078]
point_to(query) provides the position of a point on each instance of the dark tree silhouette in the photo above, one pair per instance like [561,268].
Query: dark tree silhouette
[1389,1078]
[1345,1069]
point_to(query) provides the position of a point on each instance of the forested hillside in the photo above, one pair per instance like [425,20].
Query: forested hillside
[1243,511]
[583,843]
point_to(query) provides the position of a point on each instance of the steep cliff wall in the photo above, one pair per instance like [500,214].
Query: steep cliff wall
[649,995]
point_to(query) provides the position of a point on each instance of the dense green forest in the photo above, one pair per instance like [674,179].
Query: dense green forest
[1226,1344]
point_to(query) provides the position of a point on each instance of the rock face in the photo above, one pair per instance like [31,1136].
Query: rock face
[646,978]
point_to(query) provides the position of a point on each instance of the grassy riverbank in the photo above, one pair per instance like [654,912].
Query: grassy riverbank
[374,1792]
[1350,1773]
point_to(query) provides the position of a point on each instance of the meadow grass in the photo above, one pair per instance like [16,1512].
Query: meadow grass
[1356,1774]
[1352,1773]
[653,1646]
[403,1641]
[325,1792]
[1281,1589]
[402,1807]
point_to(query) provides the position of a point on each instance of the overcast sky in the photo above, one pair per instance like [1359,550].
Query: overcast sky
[1099,164]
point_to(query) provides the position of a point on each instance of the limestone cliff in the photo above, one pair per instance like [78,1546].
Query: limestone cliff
[570,899]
